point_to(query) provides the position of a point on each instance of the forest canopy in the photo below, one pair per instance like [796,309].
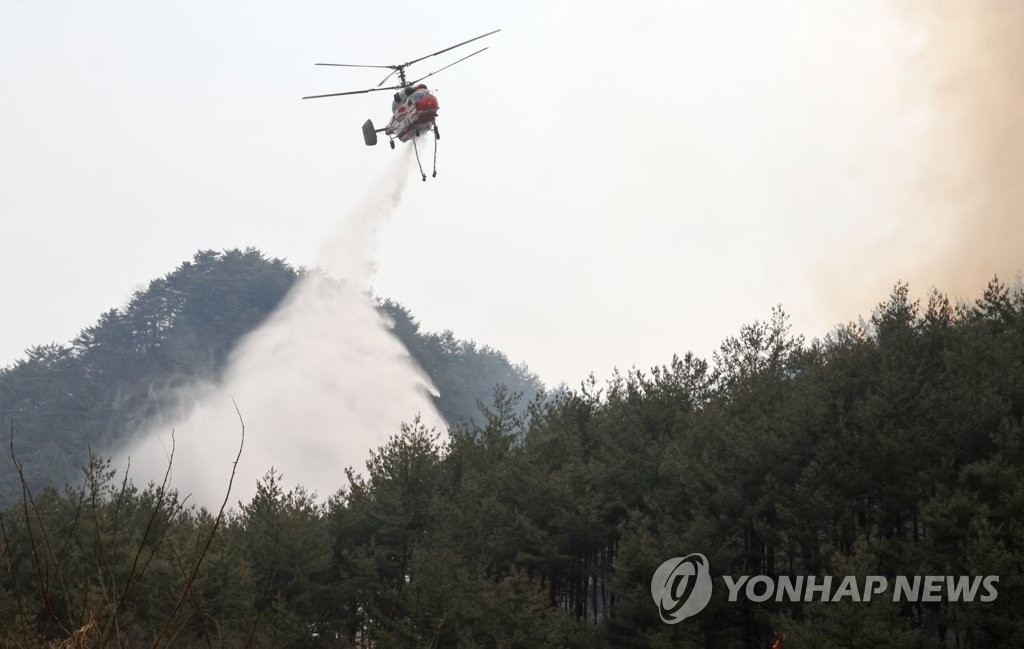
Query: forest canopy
[64,399]
[889,447]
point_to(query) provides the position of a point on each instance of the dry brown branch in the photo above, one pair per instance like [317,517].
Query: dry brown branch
[112,625]
[209,539]
[79,639]
[8,558]
[49,566]
[26,502]
[196,608]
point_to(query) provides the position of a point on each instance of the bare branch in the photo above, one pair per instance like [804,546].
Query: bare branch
[26,501]
[216,524]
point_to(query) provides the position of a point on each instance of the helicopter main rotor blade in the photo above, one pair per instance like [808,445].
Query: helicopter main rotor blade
[448,48]
[353,65]
[412,83]
[352,92]
[400,69]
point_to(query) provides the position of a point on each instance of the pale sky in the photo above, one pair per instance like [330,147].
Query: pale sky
[618,181]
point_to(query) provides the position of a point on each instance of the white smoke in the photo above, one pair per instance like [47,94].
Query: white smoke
[319,384]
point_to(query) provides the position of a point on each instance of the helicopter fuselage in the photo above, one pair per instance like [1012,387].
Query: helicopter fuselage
[412,112]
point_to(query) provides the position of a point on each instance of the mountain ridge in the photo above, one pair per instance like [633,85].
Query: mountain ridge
[62,401]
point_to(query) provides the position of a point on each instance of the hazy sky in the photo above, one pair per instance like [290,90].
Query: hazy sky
[618,181]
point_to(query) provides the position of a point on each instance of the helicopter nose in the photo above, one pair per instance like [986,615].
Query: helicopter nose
[427,103]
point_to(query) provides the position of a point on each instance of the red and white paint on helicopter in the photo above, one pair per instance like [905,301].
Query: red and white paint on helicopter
[413,111]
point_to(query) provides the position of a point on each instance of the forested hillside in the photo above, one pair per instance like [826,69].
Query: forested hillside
[62,400]
[889,448]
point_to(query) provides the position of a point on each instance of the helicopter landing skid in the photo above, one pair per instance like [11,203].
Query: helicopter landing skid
[420,164]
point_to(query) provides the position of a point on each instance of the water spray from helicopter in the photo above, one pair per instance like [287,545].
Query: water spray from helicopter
[319,384]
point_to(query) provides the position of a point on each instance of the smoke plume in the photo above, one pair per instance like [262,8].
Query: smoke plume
[973,179]
[961,220]
[320,383]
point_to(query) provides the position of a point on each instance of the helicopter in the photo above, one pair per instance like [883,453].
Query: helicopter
[413,108]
